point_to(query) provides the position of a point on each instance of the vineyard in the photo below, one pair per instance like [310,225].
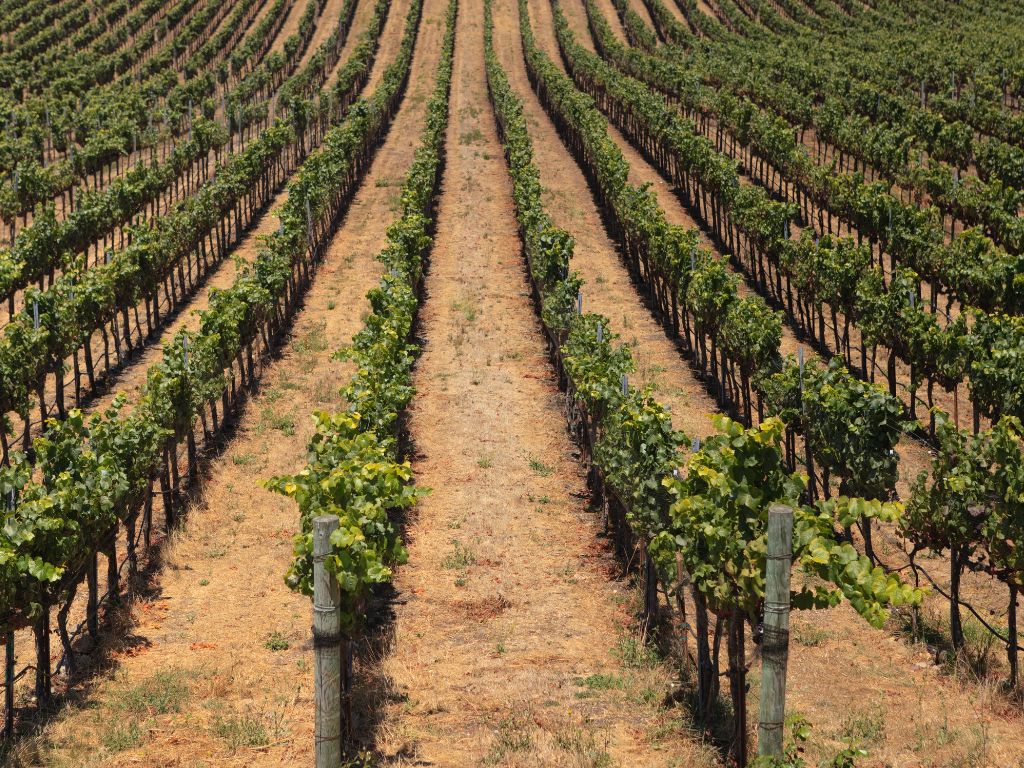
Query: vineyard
[583,383]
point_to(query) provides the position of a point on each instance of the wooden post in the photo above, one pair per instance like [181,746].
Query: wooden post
[1011,646]
[9,686]
[775,645]
[42,632]
[327,648]
[92,606]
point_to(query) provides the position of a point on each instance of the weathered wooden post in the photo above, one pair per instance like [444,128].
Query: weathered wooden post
[9,666]
[775,644]
[326,648]
[9,685]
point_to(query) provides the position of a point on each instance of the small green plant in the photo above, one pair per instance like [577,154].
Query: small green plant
[325,390]
[361,760]
[583,745]
[243,459]
[540,468]
[646,695]
[276,642]
[864,726]
[281,422]
[635,654]
[974,753]
[204,582]
[601,682]
[121,737]
[315,340]
[946,735]
[513,736]
[459,558]
[161,694]
[484,462]
[240,731]
[467,309]
[809,635]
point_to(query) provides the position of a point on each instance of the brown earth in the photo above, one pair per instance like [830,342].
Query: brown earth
[865,683]
[608,289]
[207,646]
[512,643]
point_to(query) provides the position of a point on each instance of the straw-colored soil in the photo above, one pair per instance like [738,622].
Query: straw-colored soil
[880,678]
[512,643]
[512,640]
[204,676]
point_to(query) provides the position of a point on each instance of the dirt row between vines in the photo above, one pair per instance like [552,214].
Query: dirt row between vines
[877,673]
[509,615]
[218,656]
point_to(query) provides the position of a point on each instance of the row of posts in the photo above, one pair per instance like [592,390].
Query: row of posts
[331,662]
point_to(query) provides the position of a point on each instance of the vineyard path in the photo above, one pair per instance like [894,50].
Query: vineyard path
[510,615]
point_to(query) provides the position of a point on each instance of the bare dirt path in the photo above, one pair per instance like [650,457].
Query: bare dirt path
[640,171]
[609,289]
[638,7]
[673,9]
[608,9]
[290,26]
[217,670]
[704,7]
[326,25]
[512,643]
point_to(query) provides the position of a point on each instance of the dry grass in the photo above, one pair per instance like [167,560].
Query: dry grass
[518,664]
[222,673]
